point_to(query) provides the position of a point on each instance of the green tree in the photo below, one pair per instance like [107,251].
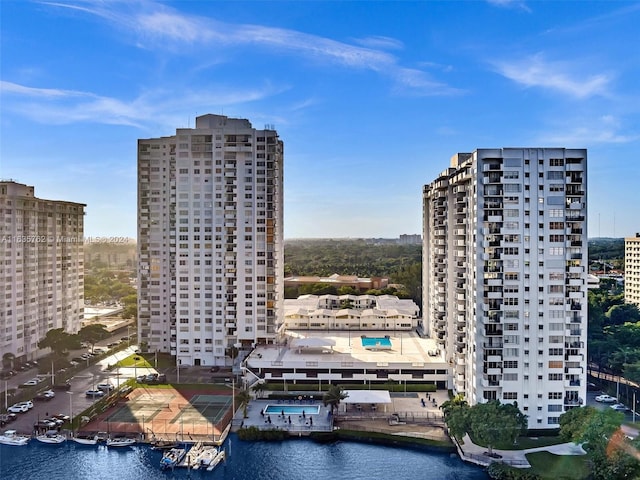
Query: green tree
[93,333]
[333,396]
[7,360]
[619,314]
[573,423]
[60,342]
[456,415]
[493,423]
[130,306]
[258,388]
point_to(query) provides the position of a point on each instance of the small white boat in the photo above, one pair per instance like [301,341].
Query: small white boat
[86,439]
[52,436]
[172,457]
[191,458]
[120,442]
[210,458]
[217,459]
[11,437]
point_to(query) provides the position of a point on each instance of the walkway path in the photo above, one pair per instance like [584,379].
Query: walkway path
[476,454]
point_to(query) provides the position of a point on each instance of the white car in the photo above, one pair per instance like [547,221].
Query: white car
[21,407]
[606,399]
[106,387]
[30,383]
[619,407]
[94,393]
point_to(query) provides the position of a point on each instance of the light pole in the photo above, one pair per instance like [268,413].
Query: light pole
[70,410]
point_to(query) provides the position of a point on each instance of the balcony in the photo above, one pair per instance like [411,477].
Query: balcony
[572,401]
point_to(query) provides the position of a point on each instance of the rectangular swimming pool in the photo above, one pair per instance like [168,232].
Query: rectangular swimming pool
[292,409]
[382,343]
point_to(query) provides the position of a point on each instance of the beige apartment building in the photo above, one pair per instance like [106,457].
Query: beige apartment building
[505,277]
[632,270]
[210,240]
[42,268]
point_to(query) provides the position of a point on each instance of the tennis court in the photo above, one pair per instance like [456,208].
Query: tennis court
[168,413]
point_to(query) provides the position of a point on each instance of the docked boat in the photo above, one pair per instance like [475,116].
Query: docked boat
[51,436]
[209,458]
[172,458]
[86,439]
[163,444]
[120,442]
[11,437]
[190,458]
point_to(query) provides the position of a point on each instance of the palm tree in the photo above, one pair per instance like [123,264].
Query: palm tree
[7,360]
[243,397]
[259,388]
[333,396]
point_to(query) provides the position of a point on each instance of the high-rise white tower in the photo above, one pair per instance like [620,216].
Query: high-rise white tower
[505,276]
[210,240]
[42,269]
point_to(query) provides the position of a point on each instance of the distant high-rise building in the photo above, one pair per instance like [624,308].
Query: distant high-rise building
[210,240]
[632,270]
[405,239]
[42,271]
[505,277]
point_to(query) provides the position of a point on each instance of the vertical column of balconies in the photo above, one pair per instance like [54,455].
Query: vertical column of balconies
[493,276]
[439,256]
[274,288]
[461,241]
[230,245]
[575,281]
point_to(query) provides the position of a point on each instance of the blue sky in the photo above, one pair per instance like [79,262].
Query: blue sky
[371,98]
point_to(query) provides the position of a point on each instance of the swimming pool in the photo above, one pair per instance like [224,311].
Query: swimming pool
[292,409]
[376,342]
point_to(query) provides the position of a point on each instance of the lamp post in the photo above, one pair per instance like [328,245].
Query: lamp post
[70,410]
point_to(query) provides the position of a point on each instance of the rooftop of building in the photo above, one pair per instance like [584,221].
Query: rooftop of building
[340,348]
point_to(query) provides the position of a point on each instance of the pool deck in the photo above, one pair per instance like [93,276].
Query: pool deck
[410,408]
[295,424]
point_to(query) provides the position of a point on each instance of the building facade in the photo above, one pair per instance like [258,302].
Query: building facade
[505,277]
[210,240]
[42,272]
[350,312]
[632,270]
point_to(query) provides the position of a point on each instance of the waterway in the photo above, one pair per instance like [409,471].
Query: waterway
[288,460]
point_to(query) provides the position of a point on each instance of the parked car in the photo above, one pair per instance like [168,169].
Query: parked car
[20,407]
[47,395]
[619,407]
[30,383]
[62,386]
[94,393]
[105,387]
[44,423]
[592,387]
[141,378]
[62,416]
[7,418]
[113,344]
[606,399]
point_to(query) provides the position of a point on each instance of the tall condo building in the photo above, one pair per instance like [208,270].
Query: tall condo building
[210,240]
[632,270]
[505,277]
[42,268]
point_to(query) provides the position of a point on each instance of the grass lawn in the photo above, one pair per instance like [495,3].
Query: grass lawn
[559,467]
[525,442]
[136,360]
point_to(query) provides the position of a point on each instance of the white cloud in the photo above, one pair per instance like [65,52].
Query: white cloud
[586,132]
[517,4]
[535,71]
[158,26]
[60,107]
[380,42]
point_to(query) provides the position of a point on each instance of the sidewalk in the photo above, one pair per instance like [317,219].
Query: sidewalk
[476,454]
